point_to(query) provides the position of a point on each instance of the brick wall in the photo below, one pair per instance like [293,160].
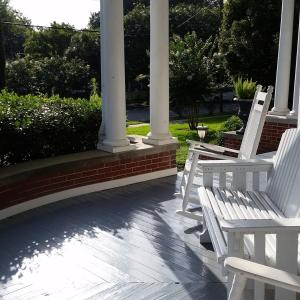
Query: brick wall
[45,182]
[232,142]
[270,138]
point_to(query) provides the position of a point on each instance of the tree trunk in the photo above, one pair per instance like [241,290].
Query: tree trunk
[221,101]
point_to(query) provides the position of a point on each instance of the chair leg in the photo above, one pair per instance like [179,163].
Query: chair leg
[187,185]
[237,288]
[204,235]
[190,180]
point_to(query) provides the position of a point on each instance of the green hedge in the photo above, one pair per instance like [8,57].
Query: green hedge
[232,124]
[33,127]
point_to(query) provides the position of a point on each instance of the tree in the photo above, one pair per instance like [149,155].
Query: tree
[50,41]
[221,81]
[94,22]
[249,38]
[13,35]
[49,75]
[205,21]
[86,46]
[137,42]
[190,79]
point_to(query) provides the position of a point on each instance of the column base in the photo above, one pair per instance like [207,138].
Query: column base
[115,149]
[293,115]
[279,112]
[150,141]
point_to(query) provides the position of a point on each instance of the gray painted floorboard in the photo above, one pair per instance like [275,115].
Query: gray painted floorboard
[125,243]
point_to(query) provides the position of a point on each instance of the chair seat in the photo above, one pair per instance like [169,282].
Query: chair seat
[229,204]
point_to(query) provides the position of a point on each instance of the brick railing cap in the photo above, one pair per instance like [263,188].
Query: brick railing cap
[77,160]
[233,135]
[281,119]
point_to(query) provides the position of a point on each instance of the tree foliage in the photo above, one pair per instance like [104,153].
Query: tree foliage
[14,36]
[190,80]
[2,59]
[49,75]
[137,41]
[205,21]
[249,38]
[49,42]
[86,46]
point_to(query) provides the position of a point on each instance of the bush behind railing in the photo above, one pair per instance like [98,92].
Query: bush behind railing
[33,127]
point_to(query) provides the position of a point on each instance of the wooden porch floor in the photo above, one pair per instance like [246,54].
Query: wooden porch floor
[125,243]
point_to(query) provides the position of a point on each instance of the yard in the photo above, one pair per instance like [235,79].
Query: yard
[182,132]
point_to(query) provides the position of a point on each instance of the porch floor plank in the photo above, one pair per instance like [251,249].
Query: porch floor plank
[124,243]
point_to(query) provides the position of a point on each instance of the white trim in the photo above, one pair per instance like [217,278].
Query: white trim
[87,189]
[114,149]
[155,142]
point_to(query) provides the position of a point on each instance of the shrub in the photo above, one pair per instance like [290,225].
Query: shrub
[49,75]
[33,127]
[232,124]
[244,89]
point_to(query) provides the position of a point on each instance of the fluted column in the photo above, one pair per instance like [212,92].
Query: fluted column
[284,59]
[294,112]
[159,73]
[113,77]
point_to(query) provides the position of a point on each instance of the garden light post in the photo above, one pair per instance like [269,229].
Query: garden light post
[202,131]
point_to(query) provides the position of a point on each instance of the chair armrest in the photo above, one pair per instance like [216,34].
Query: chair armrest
[261,225]
[251,270]
[210,147]
[215,148]
[236,165]
[214,155]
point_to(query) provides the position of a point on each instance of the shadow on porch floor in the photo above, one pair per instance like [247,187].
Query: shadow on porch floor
[125,243]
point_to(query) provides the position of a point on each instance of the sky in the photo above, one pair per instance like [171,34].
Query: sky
[43,12]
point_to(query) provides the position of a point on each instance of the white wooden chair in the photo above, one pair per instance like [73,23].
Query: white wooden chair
[248,150]
[244,269]
[246,218]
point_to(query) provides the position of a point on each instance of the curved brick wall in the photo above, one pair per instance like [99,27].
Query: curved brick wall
[32,180]
[271,135]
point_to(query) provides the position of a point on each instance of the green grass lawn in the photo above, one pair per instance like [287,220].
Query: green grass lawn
[134,122]
[182,132]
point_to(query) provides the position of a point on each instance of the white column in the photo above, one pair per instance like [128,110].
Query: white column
[159,73]
[294,112]
[113,77]
[284,59]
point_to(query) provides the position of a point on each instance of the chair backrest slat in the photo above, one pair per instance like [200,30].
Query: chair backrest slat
[256,121]
[284,183]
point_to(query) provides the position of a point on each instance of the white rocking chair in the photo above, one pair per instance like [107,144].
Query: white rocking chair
[257,215]
[248,150]
[244,269]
